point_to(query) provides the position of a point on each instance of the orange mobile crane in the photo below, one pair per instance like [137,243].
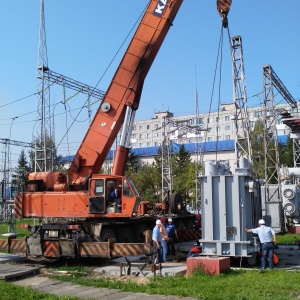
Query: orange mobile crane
[83,222]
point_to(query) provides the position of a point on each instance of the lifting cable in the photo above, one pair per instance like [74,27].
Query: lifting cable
[219,58]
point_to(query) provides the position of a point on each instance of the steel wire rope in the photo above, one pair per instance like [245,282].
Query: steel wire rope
[12,102]
[66,119]
[212,92]
[219,91]
[105,71]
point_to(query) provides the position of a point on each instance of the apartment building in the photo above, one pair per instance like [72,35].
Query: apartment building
[216,126]
[214,132]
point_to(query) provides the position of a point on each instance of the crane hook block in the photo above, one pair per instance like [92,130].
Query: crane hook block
[223,7]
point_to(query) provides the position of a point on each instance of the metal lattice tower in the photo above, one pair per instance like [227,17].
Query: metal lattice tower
[6,162]
[296,152]
[43,130]
[197,161]
[166,162]
[270,137]
[241,118]
[272,164]
[293,123]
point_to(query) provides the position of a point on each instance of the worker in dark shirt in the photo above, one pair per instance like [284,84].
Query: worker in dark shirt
[172,234]
[195,251]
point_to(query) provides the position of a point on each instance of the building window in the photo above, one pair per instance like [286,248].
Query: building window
[227,137]
[156,135]
[209,139]
[148,127]
[155,126]
[227,127]
[141,136]
[140,127]
[133,136]
[252,124]
[156,144]
[218,129]
[133,145]
[198,121]
[148,135]
[134,127]
[258,114]
[141,145]
[226,118]
[148,144]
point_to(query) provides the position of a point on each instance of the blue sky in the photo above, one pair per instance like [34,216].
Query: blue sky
[84,36]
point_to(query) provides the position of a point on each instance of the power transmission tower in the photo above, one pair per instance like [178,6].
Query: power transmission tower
[6,163]
[241,119]
[197,161]
[166,162]
[272,164]
[44,143]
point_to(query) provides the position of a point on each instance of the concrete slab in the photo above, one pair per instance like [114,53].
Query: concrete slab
[168,269]
[8,271]
[31,281]
[59,288]
[7,257]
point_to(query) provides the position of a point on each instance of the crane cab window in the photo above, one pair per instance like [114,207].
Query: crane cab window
[99,187]
[127,191]
[96,196]
[96,188]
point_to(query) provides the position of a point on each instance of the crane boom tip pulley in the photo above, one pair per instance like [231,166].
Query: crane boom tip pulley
[223,7]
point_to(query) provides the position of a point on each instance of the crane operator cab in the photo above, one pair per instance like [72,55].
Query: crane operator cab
[112,194]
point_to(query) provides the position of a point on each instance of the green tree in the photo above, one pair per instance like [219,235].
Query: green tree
[20,175]
[286,155]
[183,174]
[257,143]
[148,182]
[132,163]
[53,159]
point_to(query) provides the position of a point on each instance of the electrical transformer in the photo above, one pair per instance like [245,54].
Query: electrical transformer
[230,202]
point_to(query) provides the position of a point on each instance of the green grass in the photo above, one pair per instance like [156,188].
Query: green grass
[287,238]
[10,291]
[21,232]
[236,284]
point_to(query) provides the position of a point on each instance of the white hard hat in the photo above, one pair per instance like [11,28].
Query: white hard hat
[261,222]
[170,219]
[158,222]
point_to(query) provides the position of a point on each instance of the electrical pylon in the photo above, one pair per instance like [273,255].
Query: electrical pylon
[43,138]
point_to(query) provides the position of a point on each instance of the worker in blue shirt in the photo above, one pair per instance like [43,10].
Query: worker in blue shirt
[156,241]
[172,234]
[267,237]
